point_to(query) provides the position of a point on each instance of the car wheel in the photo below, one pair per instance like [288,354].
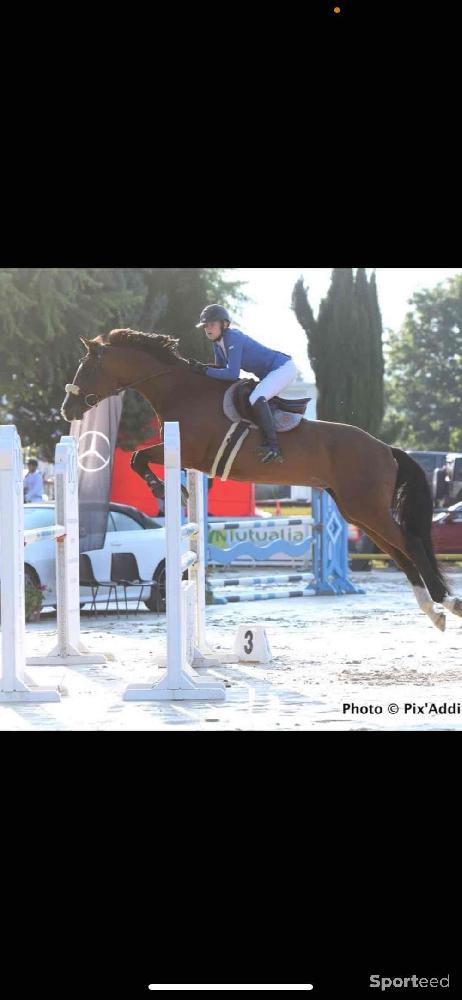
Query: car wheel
[360,565]
[158,599]
[365,544]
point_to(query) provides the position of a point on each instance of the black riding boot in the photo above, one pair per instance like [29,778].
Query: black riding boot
[270,449]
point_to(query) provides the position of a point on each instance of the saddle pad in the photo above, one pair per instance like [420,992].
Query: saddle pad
[282,421]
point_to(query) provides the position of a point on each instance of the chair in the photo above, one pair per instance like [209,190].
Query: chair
[125,572]
[88,579]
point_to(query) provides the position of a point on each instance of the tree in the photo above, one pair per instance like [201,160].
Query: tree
[345,348]
[424,364]
[377,392]
[44,311]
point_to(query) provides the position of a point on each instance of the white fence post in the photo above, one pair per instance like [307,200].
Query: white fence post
[69,650]
[15,685]
[204,655]
[180,681]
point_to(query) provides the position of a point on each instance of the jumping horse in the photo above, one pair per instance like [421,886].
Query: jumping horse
[377,487]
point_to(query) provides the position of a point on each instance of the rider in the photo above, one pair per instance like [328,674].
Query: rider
[235,350]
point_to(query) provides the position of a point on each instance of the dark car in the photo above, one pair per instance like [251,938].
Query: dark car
[447,481]
[447,530]
[361,544]
[429,461]
[446,537]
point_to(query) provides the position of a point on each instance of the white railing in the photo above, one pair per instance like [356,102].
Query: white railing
[15,684]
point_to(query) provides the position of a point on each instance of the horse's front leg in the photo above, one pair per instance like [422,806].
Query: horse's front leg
[140,462]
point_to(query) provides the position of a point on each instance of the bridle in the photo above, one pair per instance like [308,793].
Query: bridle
[75,390]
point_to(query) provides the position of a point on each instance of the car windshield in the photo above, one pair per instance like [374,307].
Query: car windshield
[428,461]
[123,522]
[38,517]
[44,517]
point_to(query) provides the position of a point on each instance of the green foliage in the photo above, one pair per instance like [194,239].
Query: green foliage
[44,311]
[33,600]
[424,366]
[345,348]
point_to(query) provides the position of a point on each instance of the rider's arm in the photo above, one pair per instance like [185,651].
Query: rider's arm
[233,368]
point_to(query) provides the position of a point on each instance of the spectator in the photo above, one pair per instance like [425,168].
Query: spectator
[33,483]
[442,486]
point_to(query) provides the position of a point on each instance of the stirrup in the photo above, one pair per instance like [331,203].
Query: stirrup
[269,454]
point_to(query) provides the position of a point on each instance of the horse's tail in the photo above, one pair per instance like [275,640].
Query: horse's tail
[413,507]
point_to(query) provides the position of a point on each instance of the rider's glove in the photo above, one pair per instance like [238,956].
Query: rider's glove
[197,366]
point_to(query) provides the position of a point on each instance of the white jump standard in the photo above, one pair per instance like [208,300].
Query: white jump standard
[186,643]
[15,684]
[69,650]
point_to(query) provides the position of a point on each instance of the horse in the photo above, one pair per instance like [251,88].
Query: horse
[375,486]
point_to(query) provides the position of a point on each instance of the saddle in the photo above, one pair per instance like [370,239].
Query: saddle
[287,413]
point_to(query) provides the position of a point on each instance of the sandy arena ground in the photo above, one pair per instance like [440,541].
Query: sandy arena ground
[375,651]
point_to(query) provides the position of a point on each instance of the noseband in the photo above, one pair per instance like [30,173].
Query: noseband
[76,391]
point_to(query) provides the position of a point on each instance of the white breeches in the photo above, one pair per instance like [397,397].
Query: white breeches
[275,382]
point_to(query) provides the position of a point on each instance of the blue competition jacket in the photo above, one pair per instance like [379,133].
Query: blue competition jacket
[244,353]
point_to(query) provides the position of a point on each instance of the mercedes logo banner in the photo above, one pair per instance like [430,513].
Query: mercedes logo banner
[96,437]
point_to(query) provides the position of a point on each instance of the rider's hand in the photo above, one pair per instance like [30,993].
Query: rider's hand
[197,366]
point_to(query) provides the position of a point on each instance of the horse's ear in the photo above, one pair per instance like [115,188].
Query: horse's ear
[90,346]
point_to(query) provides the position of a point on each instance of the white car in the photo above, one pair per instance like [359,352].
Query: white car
[129,530]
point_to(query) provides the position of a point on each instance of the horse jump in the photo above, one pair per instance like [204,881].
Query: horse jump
[379,488]
[15,684]
[328,544]
[187,646]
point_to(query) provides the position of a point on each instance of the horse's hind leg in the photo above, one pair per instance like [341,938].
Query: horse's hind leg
[436,585]
[454,605]
[407,551]
[423,597]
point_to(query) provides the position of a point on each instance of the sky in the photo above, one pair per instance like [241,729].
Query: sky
[270,319]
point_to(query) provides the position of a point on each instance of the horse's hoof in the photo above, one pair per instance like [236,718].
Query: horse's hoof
[440,622]
[455,606]
[157,489]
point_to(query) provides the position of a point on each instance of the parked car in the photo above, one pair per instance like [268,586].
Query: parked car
[429,461]
[128,530]
[447,530]
[446,537]
[359,543]
[450,481]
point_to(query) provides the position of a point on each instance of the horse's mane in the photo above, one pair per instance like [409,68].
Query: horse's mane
[162,347]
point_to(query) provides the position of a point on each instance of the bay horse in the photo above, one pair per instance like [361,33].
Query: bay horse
[377,487]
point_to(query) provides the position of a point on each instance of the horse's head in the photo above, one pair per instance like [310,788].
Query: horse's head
[93,381]
[122,359]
